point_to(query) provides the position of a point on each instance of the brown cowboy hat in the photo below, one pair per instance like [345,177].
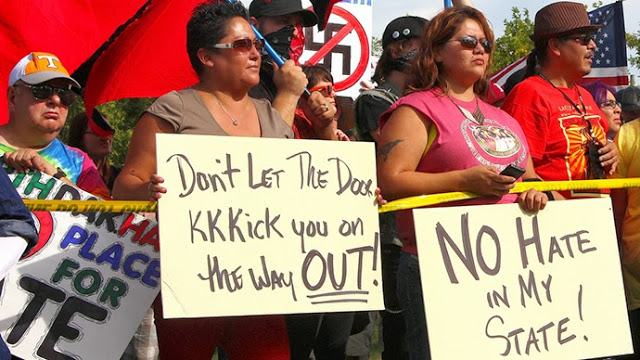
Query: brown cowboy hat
[561,18]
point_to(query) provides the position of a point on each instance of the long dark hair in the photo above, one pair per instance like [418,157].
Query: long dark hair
[385,63]
[537,57]
[426,72]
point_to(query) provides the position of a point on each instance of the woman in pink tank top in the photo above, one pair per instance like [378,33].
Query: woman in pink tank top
[442,137]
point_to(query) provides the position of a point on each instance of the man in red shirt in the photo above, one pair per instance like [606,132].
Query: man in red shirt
[564,126]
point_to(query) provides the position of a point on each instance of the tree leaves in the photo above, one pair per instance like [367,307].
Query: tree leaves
[515,42]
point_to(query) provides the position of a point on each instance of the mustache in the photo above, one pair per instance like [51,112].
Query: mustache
[589,53]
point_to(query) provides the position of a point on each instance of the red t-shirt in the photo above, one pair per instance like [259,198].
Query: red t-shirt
[556,132]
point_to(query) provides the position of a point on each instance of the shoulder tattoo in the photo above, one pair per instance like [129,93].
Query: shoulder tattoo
[386,149]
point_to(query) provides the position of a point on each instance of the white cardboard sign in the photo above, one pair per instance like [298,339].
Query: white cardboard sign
[253,226]
[511,285]
[84,290]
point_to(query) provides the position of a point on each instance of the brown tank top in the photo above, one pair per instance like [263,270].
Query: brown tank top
[187,113]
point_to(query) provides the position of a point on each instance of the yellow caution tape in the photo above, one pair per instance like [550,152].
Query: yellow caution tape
[118,206]
[401,204]
[433,199]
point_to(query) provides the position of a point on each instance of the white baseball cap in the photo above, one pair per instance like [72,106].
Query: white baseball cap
[38,67]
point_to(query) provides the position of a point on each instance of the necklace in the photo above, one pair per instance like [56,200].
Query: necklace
[477,114]
[233,121]
[583,112]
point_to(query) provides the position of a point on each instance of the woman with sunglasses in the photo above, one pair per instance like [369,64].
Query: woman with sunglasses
[605,96]
[443,137]
[225,54]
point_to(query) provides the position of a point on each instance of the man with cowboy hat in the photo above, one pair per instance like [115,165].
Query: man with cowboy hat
[565,128]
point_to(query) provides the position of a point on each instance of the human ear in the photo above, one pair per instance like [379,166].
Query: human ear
[11,96]
[205,58]
[554,46]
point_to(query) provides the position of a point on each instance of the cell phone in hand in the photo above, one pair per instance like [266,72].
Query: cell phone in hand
[513,170]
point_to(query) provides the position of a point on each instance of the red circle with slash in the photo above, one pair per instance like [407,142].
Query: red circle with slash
[351,25]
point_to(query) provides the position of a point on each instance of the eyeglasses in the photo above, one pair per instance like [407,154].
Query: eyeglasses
[471,43]
[45,92]
[242,45]
[610,104]
[325,90]
[582,39]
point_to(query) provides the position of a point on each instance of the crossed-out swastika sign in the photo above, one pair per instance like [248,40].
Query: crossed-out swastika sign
[339,47]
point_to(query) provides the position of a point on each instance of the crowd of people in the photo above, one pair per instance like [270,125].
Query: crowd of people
[433,119]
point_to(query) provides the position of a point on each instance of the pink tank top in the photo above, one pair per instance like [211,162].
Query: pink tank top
[462,143]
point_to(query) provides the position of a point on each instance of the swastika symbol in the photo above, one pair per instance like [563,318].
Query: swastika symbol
[329,32]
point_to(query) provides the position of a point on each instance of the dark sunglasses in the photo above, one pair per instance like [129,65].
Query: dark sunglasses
[582,39]
[242,45]
[45,92]
[325,90]
[611,104]
[471,43]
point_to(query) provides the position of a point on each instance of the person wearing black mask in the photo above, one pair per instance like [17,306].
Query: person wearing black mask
[282,23]
[400,41]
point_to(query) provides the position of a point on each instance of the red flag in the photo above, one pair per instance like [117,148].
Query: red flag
[148,59]
[322,8]
[72,30]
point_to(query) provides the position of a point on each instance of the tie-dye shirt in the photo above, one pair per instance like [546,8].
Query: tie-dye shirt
[78,166]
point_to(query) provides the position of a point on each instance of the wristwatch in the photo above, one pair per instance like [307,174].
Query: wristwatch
[60,174]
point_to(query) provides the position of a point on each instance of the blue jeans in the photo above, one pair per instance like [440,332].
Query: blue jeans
[410,297]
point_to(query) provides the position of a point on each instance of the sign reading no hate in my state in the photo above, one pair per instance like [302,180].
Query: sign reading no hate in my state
[514,285]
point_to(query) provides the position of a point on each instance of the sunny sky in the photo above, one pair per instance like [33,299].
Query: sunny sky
[495,10]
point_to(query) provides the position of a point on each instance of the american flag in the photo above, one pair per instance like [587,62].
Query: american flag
[610,60]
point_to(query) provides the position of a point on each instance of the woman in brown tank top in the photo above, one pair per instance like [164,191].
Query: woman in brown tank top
[225,54]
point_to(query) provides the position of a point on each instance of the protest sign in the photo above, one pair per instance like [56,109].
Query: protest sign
[508,284]
[83,291]
[343,46]
[267,226]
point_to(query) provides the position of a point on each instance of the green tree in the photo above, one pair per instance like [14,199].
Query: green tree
[376,46]
[515,42]
[633,43]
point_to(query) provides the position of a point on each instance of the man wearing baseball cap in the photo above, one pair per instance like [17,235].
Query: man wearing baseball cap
[400,41]
[565,128]
[629,99]
[282,23]
[39,95]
